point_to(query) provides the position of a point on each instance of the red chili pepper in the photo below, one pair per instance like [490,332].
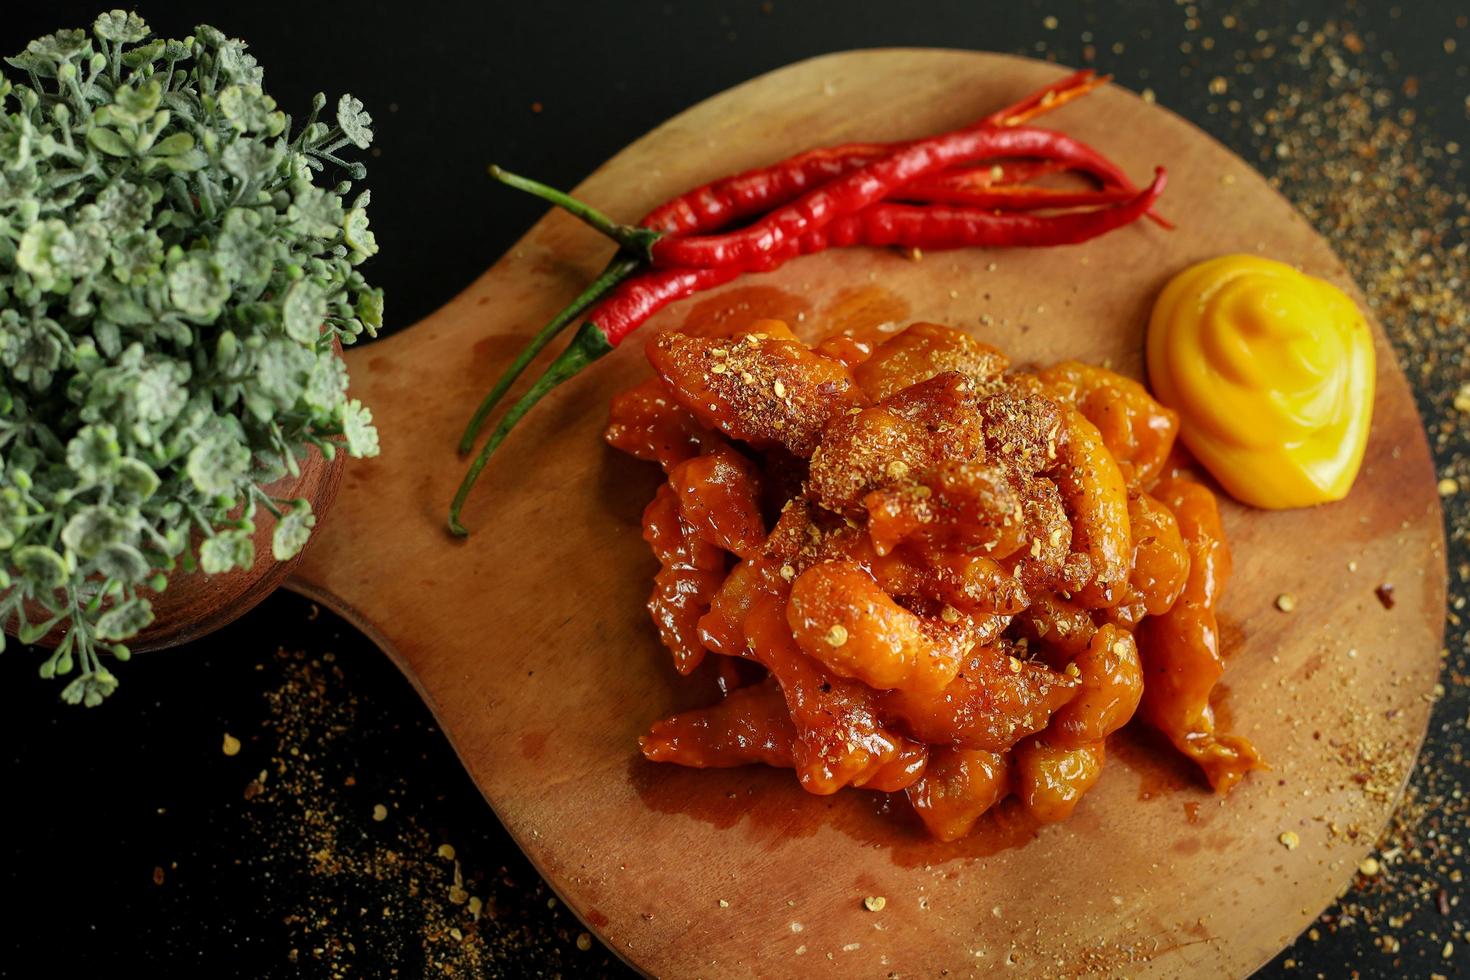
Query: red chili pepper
[940,228]
[843,195]
[756,191]
[633,302]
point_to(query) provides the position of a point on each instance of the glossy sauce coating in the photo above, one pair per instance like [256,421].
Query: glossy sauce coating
[928,571]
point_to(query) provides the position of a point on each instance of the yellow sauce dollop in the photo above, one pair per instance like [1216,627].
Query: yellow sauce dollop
[1271,372]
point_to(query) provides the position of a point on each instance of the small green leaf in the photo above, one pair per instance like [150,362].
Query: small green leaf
[134,481]
[251,159]
[121,26]
[136,103]
[293,530]
[42,569]
[218,466]
[370,310]
[198,286]
[94,528]
[122,562]
[91,688]
[109,141]
[355,122]
[303,311]
[176,144]
[94,452]
[225,551]
[358,236]
[357,426]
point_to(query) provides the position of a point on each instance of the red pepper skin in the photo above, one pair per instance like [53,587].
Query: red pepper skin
[724,201]
[635,300]
[938,227]
[721,202]
[856,190]
[1009,198]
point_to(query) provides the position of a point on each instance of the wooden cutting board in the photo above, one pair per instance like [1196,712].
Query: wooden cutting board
[530,643]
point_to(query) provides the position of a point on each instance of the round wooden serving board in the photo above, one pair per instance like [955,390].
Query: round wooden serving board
[531,644]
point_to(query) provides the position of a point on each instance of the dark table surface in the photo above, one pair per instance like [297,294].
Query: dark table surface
[343,838]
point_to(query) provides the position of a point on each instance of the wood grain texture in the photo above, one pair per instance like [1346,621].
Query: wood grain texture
[531,645]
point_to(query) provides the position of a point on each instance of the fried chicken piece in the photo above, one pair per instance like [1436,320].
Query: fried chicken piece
[1181,648]
[648,423]
[691,571]
[1137,430]
[1051,779]
[995,700]
[719,497]
[757,388]
[750,724]
[957,788]
[920,352]
[914,430]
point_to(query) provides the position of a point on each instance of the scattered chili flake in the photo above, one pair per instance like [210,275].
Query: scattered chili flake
[1384,593]
[157,874]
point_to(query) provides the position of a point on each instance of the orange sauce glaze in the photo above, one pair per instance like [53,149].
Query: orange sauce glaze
[933,574]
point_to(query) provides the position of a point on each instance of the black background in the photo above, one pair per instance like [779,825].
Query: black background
[94,800]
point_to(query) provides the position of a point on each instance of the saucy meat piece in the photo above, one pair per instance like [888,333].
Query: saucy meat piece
[1096,499]
[1112,682]
[969,504]
[917,428]
[1058,626]
[719,497]
[751,724]
[1051,779]
[691,572]
[1160,562]
[1137,430]
[722,628]
[845,348]
[994,701]
[901,772]
[1046,561]
[839,740]
[843,619]
[972,583]
[957,788]
[1023,425]
[920,352]
[648,423]
[757,388]
[1181,648]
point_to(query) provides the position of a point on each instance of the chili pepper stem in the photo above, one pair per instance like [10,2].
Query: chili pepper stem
[588,345]
[620,268]
[634,239]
